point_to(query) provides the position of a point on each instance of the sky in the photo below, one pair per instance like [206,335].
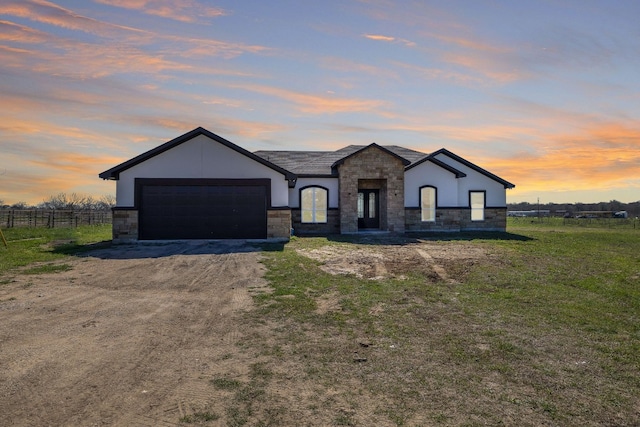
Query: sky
[543,93]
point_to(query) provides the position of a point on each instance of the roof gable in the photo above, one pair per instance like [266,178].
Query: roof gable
[373,145]
[456,172]
[470,165]
[114,172]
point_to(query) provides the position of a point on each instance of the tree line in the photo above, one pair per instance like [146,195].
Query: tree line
[633,209]
[64,201]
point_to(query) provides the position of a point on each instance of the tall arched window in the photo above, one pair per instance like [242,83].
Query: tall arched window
[428,203]
[313,204]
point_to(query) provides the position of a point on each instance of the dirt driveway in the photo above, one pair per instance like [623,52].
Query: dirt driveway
[128,336]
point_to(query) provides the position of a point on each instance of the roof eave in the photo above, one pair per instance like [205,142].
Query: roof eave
[404,161]
[429,158]
[114,173]
[477,168]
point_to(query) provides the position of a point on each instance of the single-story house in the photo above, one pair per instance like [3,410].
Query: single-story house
[201,186]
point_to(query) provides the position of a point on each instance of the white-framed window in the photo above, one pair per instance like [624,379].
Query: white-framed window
[477,203]
[313,204]
[428,203]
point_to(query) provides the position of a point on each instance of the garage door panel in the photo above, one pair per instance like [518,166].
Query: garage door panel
[203,211]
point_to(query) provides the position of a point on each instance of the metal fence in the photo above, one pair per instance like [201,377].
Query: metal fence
[10,218]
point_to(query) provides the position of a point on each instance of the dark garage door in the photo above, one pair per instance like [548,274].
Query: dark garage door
[191,211]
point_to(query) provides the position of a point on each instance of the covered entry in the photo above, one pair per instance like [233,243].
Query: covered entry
[202,208]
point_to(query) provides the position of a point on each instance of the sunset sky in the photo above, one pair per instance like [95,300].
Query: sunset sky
[543,93]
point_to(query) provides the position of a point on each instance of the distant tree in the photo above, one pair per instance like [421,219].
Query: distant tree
[64,201]
[20,205]
[106,202]
[633,208]
[615,206]
[74,201]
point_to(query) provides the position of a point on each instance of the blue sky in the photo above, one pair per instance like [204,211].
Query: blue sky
[545,94]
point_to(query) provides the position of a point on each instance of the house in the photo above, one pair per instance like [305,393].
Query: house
[201,186]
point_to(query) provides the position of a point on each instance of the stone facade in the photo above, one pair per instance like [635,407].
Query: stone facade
[456,219]
[332,226]
[278,223]
[125,225]
[372,168]
[495,219]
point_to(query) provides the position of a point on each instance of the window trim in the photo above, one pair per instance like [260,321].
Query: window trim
[484,204]
[435,207]
[313,210]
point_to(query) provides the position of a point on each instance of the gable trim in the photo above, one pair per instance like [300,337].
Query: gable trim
[456,172]
[467,163]
[114,172]
[404,161]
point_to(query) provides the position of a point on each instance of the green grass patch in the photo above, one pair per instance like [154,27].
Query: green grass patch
[246,397]
[226,383]
[539,324]
[47,268]
[45,245]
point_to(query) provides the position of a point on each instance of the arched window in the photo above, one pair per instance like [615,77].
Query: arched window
[313,204]
[428,203]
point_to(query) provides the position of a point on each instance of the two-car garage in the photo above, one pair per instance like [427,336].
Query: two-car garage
[200,186]
[202,208]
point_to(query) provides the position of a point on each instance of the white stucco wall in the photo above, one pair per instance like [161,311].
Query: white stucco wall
[330,184]
[428,173]
[496,194]
[201,157]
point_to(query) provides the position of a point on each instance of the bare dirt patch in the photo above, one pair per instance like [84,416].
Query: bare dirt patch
[375,262]
[131,335]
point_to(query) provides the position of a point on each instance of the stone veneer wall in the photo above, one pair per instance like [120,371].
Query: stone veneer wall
[278,223]
[125,225]
[372,164]
[332,226]
[495,219]
[456,219]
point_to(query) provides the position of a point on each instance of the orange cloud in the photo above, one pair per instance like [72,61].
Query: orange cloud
[53,14]
[492,66]
[128,44]
[473,44]
[316,104]
[440,74]
[379,37]
[10,31]
[191,46]
[56,171]
[602,157]
[349,66]
[89,61]
[180,10]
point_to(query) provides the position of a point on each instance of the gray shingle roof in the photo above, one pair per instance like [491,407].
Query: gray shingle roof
[320,162]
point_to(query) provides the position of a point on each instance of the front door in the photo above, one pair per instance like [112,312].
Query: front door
[368,209]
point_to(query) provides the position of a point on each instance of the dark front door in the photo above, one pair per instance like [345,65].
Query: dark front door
[368,209]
